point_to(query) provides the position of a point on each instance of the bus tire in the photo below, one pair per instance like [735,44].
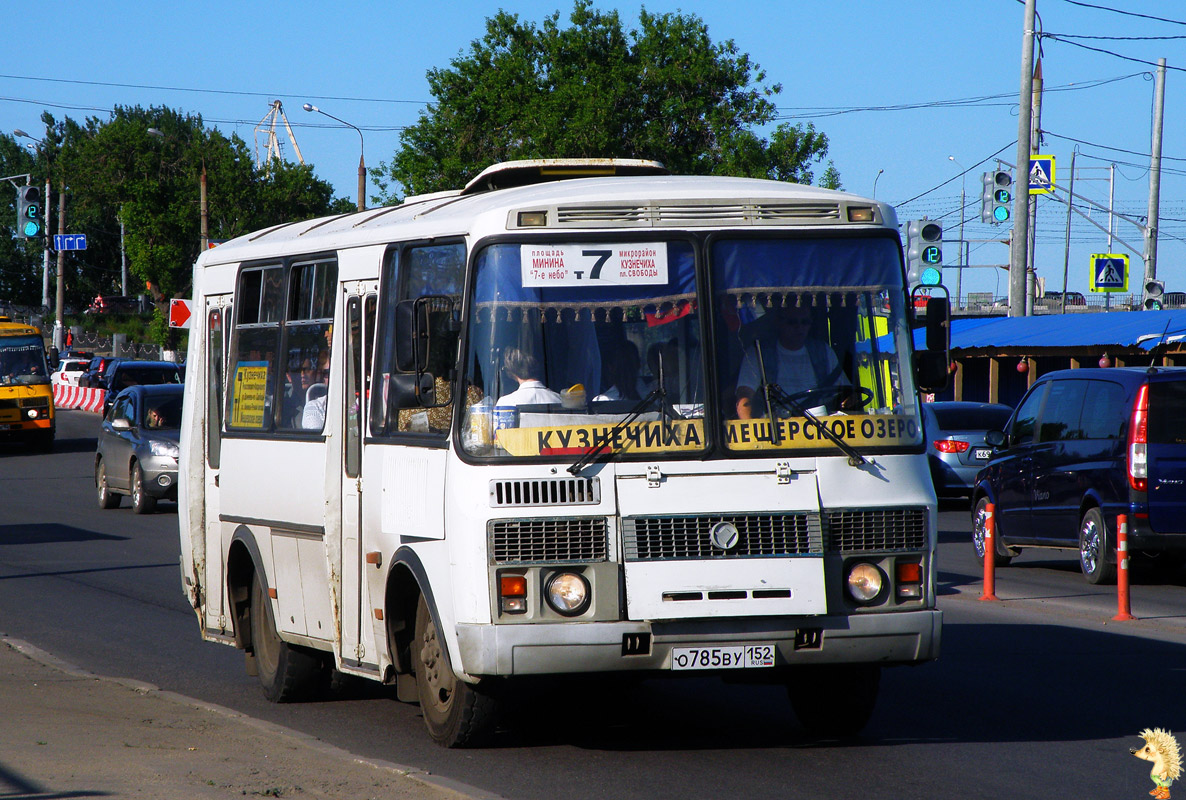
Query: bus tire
[106,497]
[286,672]
[834,701]
[457,713]
[142,502]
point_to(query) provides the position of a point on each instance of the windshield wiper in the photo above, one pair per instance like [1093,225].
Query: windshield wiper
[639,408]
[773,390]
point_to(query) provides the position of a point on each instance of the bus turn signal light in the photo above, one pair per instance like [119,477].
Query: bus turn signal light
[512,591]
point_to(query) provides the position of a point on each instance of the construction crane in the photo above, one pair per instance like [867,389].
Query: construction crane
[267,129]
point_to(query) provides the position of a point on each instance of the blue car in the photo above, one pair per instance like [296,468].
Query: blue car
[956,449]
[1083,446]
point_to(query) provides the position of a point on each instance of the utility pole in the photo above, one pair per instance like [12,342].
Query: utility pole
[59,334]
[1066,253]
[1019,252]
[1032,230]
[1155,176]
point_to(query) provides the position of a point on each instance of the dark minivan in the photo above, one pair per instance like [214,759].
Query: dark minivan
[1083,446]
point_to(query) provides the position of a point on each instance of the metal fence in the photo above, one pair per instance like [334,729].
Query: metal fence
[986,303]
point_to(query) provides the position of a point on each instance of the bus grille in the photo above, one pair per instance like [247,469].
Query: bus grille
[697,214]
[545,492]
[859,530]
[530,541]
[9,402]
[668,538]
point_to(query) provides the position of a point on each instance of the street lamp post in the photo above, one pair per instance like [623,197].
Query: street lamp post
[362,170]
[875,180]
[45,204]
[959,269]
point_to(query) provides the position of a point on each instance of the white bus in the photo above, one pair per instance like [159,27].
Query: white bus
[574,418]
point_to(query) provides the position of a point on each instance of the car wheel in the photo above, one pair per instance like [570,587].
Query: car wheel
[142,502]
[457,713]
[286,672]
[107,498]
[1003,555]
[834,700]
[1094,549]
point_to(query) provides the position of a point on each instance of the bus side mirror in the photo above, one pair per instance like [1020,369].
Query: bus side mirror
[410,391]
[415,322]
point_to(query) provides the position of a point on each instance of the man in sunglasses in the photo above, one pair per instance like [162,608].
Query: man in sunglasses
[795,362]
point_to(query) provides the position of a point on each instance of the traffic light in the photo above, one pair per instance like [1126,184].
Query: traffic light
[996,197]
[29,222]
[1153,291]
[924,253]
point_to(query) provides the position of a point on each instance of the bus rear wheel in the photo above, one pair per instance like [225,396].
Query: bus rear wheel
[287,673]
[834,701]
[457,714]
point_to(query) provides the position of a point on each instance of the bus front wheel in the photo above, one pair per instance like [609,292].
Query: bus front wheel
[457,714]
[287,673]
[834,700]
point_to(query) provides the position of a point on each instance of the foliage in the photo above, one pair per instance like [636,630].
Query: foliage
[665,91]
[114,170]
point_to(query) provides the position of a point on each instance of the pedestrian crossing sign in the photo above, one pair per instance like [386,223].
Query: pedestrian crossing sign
[1041,174]
[1109,272]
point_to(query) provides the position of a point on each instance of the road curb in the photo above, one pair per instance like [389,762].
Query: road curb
[308,740]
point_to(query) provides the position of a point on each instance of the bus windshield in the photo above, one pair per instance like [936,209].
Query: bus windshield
[569,339]
[812,328]
[22,360]
[596,346]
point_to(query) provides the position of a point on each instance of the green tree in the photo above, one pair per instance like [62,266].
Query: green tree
[664,91]
[115,170]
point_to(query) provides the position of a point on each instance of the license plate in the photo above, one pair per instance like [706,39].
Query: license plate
[740,656]
[983,453]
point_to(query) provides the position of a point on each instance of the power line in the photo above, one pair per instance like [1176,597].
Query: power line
[960,175]
[1125,13]
[1108,52]
[210,91]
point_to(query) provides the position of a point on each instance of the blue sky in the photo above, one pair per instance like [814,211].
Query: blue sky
[837,62]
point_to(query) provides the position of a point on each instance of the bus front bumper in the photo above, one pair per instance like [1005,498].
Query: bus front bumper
[908,637]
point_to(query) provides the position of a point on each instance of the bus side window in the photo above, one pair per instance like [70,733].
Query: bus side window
[435,270]
[308,337]
[252,381]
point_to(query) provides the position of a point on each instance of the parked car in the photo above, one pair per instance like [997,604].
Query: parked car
[126,372]
[137,447]
[956,448]
[1083,446]
[1173,300]
[69,371]
[114,304]
[1055,299]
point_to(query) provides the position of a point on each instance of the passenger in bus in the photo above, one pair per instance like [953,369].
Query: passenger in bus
[621,373]
[524,367]
[316,393]
[794,362]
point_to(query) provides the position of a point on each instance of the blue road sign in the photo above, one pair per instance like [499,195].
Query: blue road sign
[1109,272]
[70,241]
[1041,174]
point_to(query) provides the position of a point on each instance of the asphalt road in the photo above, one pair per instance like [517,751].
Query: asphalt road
[1039,695]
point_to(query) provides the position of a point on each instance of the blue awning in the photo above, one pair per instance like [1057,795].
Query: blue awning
[1144,329]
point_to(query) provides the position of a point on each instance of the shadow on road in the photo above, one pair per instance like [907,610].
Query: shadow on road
[50,532]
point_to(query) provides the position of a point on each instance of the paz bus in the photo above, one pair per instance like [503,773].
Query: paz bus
[26,395]
[494,433]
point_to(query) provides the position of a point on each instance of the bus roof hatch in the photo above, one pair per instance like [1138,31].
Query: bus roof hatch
[541,170]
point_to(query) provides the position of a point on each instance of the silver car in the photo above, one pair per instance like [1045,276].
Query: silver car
[137,450]
[956,449]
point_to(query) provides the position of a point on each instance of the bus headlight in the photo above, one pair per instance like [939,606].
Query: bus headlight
[864,582]
[567,593]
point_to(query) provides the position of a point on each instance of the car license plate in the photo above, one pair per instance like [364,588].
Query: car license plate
[983,453]
[740,656]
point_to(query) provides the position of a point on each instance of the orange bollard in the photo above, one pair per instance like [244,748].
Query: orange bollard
[990,554]
[1122,600]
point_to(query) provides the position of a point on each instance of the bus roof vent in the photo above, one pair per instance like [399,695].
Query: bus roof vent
[542,170]
[545,492]
[701,213]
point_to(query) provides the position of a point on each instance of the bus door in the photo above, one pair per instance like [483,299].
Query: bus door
[359,651]
[218,328]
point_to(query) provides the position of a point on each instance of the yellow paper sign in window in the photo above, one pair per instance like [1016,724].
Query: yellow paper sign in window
[249,394]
